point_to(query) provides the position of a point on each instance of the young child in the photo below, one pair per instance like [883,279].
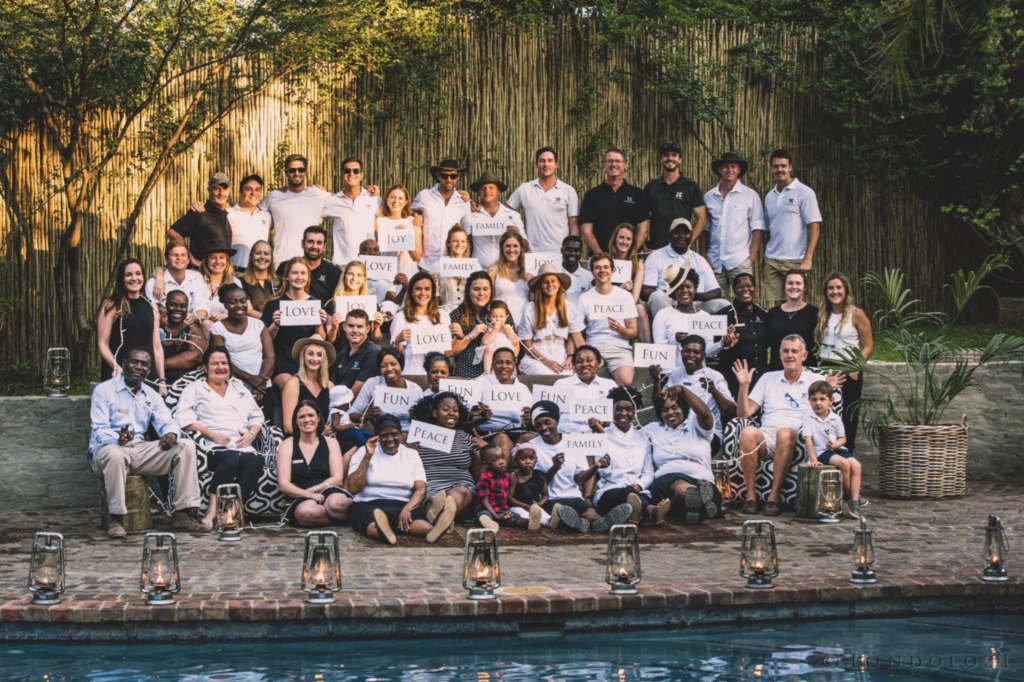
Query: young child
[501,333]
[492,489]
[825,437]
[529,489]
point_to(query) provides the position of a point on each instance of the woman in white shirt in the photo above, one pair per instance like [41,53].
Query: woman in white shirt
[217,271]
[586,363]
[247,339]
[631,472]
[509,273]
[420,308]
[390,485]
[391,364]
[228,420]
[452,290]
[501,422]
[395,214]
[551,329]
[681,447]
[672,325]
[622,246]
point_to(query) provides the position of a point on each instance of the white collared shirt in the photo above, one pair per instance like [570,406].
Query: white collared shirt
[783,405]
[547,212]
[247,229]
[353,223]
[582,281]
[685,449]
[681,377]
[292,213]
[632,462]
[821,431]
[596,389]
[114,406]
[485,249]
[438,217]
[658,261]
[788,214]
[235,411]
[732,220]
[193,284]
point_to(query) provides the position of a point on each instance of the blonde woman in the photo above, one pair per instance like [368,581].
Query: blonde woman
[395,213]
[551,330]
[352,283]
[295,288]
[509,273]
[842,326]
[622,246]
[452,290]
[312,382]
[259,279]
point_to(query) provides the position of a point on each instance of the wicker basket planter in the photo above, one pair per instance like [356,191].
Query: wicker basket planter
[923,462]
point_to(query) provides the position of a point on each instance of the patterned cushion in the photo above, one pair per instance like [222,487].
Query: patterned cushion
[268,499]
[765,473]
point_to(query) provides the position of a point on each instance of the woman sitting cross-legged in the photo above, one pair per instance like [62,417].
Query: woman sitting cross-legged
[566,473]
[681,446]
[389,485]
[631,471]
[310,472]
[227,417]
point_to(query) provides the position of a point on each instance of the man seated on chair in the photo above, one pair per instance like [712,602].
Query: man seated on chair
[122,410]
[782,398]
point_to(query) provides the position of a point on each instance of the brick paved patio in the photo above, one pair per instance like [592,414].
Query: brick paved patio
[928,559]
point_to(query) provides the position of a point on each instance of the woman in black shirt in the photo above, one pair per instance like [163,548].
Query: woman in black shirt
[750,324]
[794,316]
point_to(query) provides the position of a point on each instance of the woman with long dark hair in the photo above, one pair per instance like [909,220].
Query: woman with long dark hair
[469,324]
[420,308]
[310,472]
[126,321]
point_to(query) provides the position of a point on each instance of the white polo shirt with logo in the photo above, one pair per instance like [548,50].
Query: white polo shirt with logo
[582,281]
[193,285]
[485,249]
[658,261]
[247,229]
[547,212]
[788,214]
[681,377]
[438,217]
[292,213]
[732,220]
[783,405]
[353,223]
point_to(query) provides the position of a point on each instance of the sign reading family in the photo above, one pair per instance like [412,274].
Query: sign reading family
[381,267]
[297,313]
[433,437]
[396,238]
[344,304]
[469,390]
[584,444]
[535,260]
[458,267]
[430,337]
[647,354]
[708,325]
[393,400]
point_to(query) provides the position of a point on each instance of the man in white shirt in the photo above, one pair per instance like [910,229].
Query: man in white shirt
[582,280]
[794,225]
[353,211]
[293,209]
[611,318]
[249,223]
[678,252]
[441,206]
[735,223]
[176,276]
[487,224]
[709,384]
[552,207]
[783,401]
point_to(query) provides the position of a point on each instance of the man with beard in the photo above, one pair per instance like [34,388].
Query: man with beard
[673,196]
[293,209]
[208,226]
[353,211]
[441,206]
[323,275]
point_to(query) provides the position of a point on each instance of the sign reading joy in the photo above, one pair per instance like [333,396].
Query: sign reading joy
[345,304]
[430,337]
[535,260]
[396,238]
[433,437]
[647,354]
[381,267]
[297,313]
[623,271]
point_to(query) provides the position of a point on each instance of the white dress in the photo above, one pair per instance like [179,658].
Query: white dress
[514,294]
[549,342]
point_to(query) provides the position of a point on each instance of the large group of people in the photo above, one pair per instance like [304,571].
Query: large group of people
[468,286]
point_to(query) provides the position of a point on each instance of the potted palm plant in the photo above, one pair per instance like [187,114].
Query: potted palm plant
[920,455]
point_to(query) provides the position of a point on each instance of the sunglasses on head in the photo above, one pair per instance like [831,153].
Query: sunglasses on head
[351,171]
[296,170]
[448,176]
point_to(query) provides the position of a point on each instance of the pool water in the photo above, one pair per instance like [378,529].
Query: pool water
[984,647]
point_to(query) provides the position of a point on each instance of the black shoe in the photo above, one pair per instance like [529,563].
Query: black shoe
[570,518]
[694,504]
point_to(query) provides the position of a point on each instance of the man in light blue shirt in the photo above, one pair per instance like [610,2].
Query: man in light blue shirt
[122,410]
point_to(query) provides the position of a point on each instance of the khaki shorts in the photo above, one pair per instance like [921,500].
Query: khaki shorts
[775,278]
[617,355]
[725,277]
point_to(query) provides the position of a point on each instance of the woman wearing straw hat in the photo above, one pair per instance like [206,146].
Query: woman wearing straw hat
[550,329]
[315,357]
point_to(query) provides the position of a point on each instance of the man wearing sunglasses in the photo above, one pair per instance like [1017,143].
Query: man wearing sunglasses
[441,206]
[294,208]
[353,211]
[782,399]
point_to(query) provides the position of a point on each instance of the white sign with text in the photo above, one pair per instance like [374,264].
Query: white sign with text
[298,313]
[392,400]
[430,337]
[647,354]
[396,238]
[708,325]
[433,437]
[562,397]
[584,445]
[381,267]
[457,267]
[535,260]
[469,390]
[491,228]
[600,310]
[584,409]
[344,304]
[623,271]
[515,395]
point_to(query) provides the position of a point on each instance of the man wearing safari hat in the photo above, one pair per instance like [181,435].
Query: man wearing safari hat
[735,222]
[491,220]
[679,253]
[672,196]
[441,207]
[202,229]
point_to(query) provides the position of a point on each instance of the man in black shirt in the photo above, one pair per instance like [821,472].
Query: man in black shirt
[206,228]
[611,203]
[357,362]
[673,196]
[323,275]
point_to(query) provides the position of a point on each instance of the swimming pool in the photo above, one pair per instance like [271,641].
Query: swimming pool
[976,647]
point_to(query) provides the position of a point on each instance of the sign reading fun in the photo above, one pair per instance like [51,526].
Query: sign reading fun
[562,397]
[469,390]
[647,354]
[393,400]
[298,313]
